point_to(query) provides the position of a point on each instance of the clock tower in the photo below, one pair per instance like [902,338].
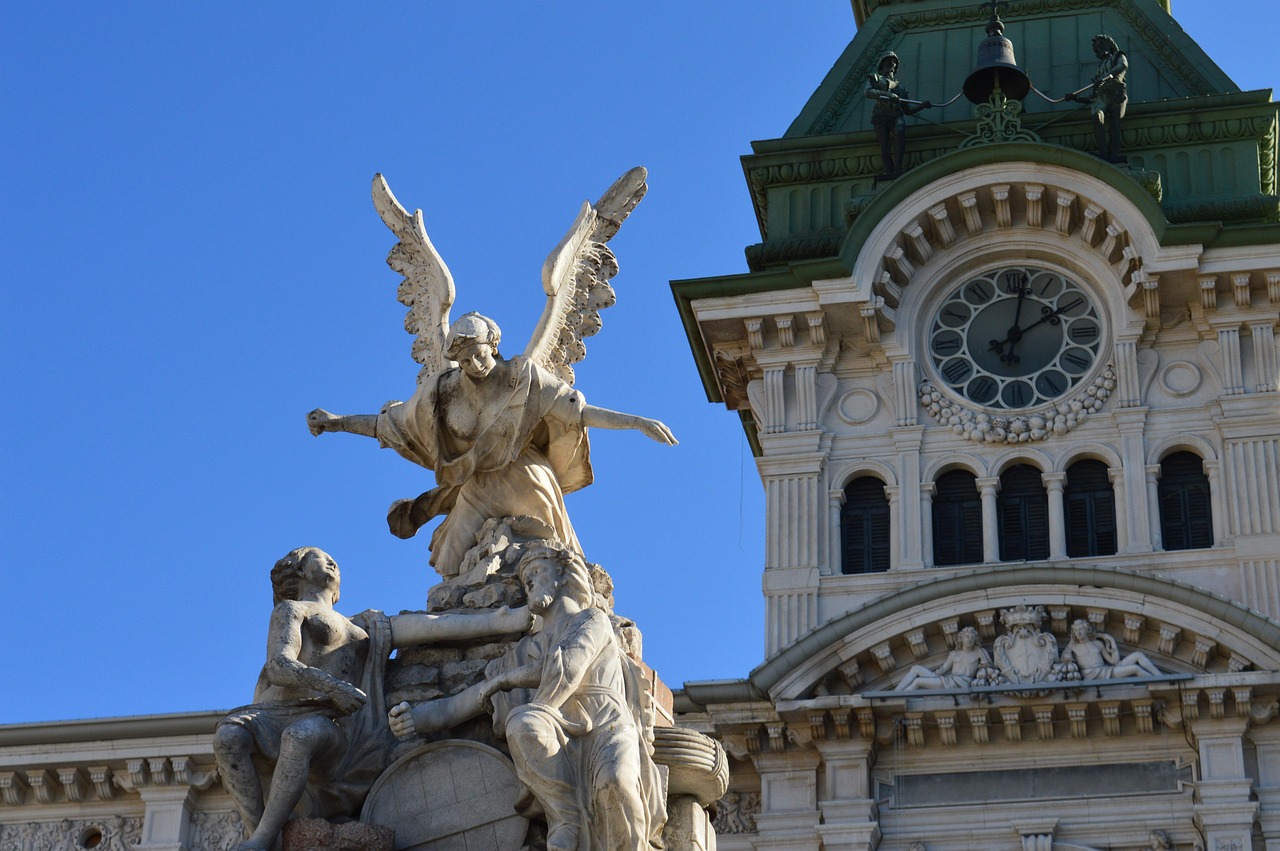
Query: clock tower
[1014,410]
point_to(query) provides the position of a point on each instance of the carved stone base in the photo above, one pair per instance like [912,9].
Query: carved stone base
[315,834]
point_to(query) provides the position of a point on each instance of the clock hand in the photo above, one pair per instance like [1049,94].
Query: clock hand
[1015,333]
[1049,316]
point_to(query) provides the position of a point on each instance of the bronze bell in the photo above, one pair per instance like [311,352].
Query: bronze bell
[996,67]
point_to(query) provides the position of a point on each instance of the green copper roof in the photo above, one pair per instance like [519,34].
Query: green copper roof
[937,42]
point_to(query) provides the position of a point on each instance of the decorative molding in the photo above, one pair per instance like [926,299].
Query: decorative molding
[117,833]
[1057,419]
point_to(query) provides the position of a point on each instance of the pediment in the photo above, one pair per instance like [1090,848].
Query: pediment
[1180,629]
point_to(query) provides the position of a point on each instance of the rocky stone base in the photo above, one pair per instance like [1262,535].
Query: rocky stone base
[314,834]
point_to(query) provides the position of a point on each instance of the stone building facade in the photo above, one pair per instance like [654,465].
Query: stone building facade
[1015,416]
[1114,491]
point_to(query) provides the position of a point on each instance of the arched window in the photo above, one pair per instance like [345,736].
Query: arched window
[1186,518]
[1090,507]
[1023,509]
[864,527]
[957,520]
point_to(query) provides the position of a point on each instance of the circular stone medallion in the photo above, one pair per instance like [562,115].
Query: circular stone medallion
[447,795]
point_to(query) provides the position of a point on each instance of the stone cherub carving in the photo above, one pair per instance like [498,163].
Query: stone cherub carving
[961,666]
[1160,841]
[318,719]
[888,116]
[570,704]
[1107,97]
[505,436]
[1097,657]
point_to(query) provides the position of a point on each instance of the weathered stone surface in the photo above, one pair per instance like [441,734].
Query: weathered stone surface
[313,834]
[450,794]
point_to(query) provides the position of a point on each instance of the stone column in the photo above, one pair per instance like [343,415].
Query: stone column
[1153,504]
[1217,502]
[1223,809]
[990,519]
[1119,490]
[927,492]
[849,818]
[895,524]
[1053,483]
[835,534]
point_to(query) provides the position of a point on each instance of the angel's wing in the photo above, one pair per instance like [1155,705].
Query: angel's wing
[576,278]
[427,288]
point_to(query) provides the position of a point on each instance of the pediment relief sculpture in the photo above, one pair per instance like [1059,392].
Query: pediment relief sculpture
[1025,654]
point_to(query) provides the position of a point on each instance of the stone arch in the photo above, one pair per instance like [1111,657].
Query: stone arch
[1179,442]
[1088,451]
[863,467]
[1020,455]
[954,461]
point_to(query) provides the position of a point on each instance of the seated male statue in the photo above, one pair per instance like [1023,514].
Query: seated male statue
[569,703]
[318,715]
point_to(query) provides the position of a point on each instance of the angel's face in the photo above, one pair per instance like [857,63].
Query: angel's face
[477,360]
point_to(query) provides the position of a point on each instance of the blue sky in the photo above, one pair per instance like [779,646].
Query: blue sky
[190,262]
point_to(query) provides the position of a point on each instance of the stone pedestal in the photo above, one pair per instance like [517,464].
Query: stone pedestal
[688,825]
[315,834]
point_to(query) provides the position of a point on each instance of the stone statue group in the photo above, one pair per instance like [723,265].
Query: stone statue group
[506,438]
[1024,654]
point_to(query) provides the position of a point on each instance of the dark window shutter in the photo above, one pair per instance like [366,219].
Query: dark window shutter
[1090,508]
[1023,508]
[864,527]
[1186,518]
[957,520]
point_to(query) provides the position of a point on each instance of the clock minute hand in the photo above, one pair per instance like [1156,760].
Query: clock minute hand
[1049,316]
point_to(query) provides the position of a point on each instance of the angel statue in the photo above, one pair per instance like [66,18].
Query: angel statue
[505,436]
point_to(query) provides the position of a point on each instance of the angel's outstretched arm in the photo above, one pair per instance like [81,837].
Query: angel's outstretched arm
[320,421]
[604,418]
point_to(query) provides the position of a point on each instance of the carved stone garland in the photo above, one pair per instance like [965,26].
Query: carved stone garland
[1058,418]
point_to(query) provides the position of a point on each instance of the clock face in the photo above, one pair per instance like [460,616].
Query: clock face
[1015,338]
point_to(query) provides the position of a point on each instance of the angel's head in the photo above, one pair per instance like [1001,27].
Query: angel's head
[473,343]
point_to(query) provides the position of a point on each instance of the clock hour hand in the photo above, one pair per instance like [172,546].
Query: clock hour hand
[1015,332]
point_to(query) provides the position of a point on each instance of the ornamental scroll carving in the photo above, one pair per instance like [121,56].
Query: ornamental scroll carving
[118,833]
[736,813]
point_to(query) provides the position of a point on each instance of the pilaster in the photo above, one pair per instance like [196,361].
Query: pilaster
[849,821]
[789,815]
[907,442]
[166,826]
[1266,743]
[1135,525]
[1223,809]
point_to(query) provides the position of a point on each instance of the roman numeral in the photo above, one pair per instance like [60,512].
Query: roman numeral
[1075,360]
[956,371]
[946,345]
